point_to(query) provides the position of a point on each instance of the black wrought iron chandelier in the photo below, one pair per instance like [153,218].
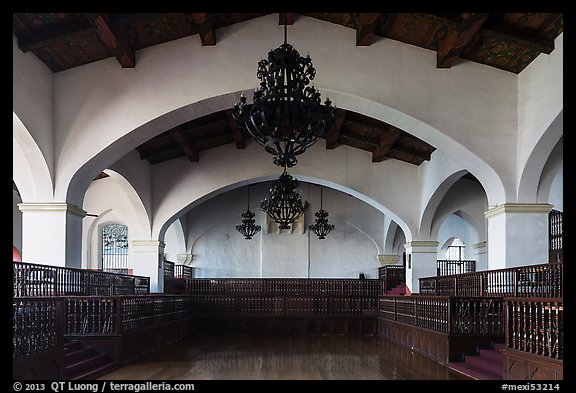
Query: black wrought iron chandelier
[248,228]
[284,204]
[286,116]
[321,227]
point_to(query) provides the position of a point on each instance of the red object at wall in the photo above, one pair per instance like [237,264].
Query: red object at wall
[16,257]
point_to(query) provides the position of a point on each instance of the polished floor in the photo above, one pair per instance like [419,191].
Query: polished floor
[285,358]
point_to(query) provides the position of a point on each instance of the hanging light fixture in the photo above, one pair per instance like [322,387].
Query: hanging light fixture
[284,205]
[321,227]
[286,116]
[248,228]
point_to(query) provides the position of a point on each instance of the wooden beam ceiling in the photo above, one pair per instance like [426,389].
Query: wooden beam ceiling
[205,26]
[456,41]
[366,26]
[334,134]
[114,37]
[387,140]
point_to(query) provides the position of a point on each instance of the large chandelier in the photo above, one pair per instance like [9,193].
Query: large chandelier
[286,116]
[284,205]
[248,228]
[321,227]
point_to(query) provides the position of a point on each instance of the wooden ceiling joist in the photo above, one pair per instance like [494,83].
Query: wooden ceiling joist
[186,147]
[387,140]
[366,26]
[286,18]
[334,134]
[115,38]
[237,134]
[456,41]
[205,26]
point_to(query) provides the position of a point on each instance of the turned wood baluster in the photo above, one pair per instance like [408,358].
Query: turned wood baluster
[555,328]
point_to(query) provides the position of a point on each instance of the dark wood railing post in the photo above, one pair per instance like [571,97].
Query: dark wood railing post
[456,286]
[119,314]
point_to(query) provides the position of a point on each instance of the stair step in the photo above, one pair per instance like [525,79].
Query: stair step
[484,363]
[95,360]
[97,372]
[492,354]
[77,355]
[474,372]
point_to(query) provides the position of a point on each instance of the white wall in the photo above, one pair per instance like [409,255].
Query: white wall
[33,99]
[454,226]
[220,251]
[16,222]
[557,191]
[99,103]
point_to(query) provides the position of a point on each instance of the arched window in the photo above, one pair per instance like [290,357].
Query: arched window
[114,240]
[455,251]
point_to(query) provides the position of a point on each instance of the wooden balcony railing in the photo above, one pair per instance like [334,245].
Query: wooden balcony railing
[456,316]
[107,315]
[36,325]
[285,286]
[535,326]
[543,280]
[447,267]
[284,306]
[30,279]
[169,269]
[183,272]
[391,276]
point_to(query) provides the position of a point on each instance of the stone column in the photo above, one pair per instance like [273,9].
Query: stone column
[52,233]
[479,254]
[517,234]
[421,259]
[146,258]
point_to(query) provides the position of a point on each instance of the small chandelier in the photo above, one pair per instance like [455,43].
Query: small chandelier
[321,227]
[286,116]
[248,227]
[284,205]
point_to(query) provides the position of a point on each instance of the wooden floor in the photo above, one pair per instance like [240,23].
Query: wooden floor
[285,358]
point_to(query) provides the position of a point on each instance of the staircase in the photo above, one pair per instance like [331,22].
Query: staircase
[399,289]
[487,365]
[85,362]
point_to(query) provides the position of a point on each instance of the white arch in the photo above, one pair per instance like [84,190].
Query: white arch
[553,166]
[29,169]
[465,216]
[431,207]
[170,87]
[244,182]
[532,171]
[143,230]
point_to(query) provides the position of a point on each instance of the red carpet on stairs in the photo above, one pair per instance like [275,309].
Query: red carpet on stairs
[487,365]
[86,363]
[399,289]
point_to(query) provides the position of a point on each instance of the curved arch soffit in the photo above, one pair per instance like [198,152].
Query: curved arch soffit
[76,187]
[553,168]
[29,169]
[437,196]
[143,220]
[328,184]
[534,166]
[465,216]
[180,237]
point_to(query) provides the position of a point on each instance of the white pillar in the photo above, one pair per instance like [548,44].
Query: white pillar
[479,254]
[146,258]
[420,262]
[52,233]
[517,234]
